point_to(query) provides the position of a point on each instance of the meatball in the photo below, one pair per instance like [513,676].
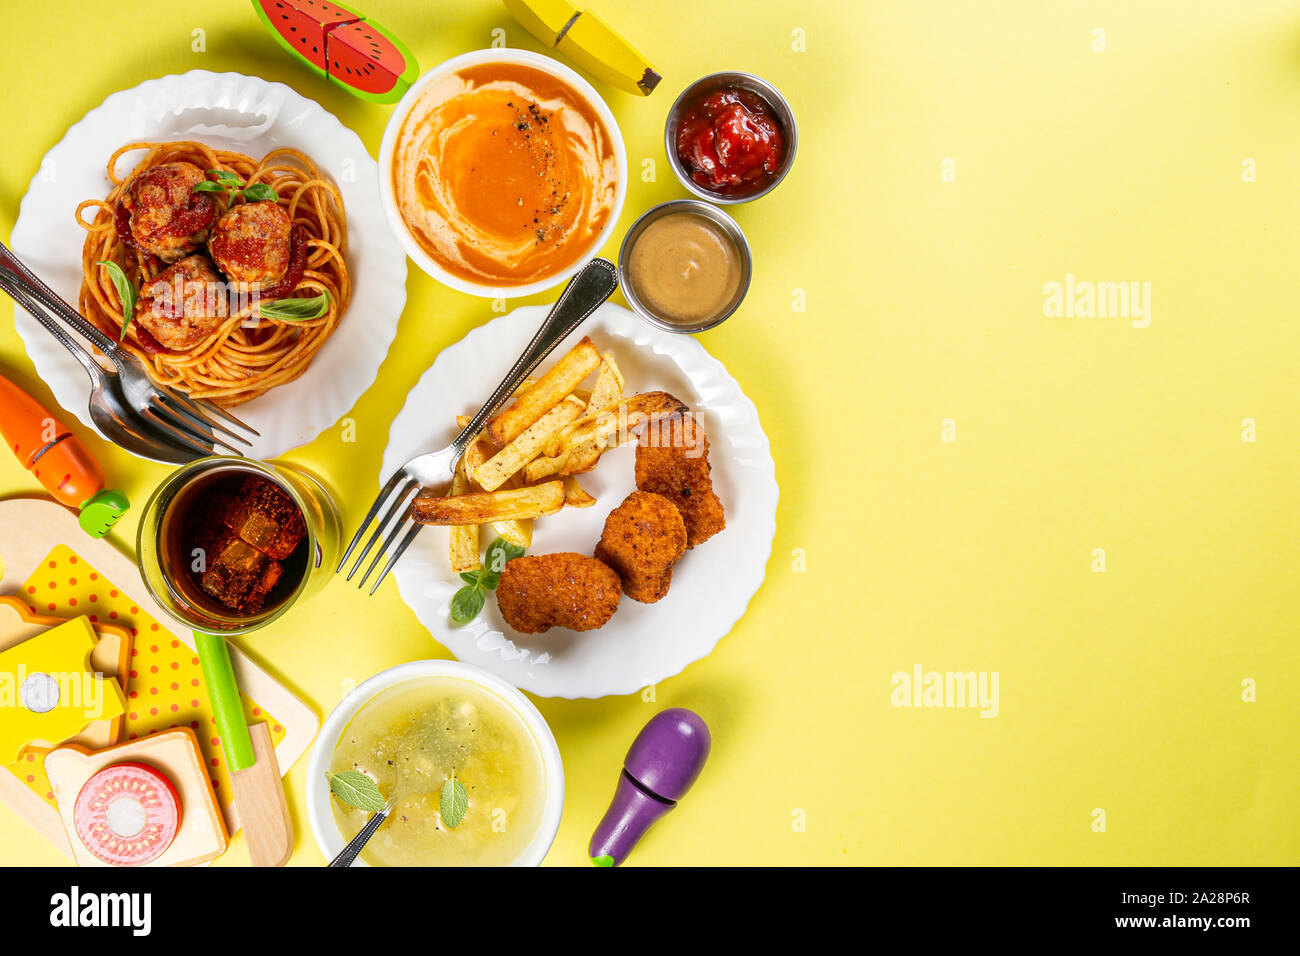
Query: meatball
[677,467]
[250,244]
[184,304]
[163,214]
[643,538]
[538,592]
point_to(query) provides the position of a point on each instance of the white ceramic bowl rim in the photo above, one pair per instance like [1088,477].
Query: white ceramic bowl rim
[501,55]
[321,815]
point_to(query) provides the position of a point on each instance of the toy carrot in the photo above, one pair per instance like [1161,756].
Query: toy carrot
[51,452]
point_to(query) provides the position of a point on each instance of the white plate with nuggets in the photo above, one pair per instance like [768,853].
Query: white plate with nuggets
[712,583]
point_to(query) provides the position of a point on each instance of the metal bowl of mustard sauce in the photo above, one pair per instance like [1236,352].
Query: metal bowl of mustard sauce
[685,266]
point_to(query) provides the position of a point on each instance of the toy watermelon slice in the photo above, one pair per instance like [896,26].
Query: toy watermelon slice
[342,45]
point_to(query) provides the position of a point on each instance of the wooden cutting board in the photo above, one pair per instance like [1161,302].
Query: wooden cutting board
[48,561]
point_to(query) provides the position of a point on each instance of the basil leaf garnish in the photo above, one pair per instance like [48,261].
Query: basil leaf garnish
[125,292]
[499,553]
[260,192]
[467,603]
[296,310]
[469,600]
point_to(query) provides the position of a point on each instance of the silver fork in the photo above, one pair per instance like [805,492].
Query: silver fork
[593,284]
[148,417]
[128,431]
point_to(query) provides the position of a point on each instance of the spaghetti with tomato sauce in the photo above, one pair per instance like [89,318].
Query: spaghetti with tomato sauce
[201,262]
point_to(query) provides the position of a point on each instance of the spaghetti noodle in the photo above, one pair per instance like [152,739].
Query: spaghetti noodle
[248,354]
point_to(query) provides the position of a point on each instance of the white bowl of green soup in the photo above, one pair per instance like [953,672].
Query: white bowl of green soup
[440,733]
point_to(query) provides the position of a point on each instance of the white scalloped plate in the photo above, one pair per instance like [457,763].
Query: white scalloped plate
[712,584]
[226,111]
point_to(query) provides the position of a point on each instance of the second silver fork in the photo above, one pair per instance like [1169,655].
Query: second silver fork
[586,291]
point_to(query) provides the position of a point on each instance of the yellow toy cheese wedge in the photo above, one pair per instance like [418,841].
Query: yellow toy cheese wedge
[589,41]
[111,658]
[48,692]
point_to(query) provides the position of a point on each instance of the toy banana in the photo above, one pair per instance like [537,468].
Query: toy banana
[56,456]
[587,40]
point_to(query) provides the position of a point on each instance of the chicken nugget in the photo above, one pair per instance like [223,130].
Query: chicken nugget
[538,592]
[643,538]
[673,460]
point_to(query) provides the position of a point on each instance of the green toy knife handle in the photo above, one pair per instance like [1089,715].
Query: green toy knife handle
[214,658]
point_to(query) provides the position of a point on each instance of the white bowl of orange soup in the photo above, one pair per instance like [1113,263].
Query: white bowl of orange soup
[489,736]
[502,172]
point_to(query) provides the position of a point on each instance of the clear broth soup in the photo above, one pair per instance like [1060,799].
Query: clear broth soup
[481,739]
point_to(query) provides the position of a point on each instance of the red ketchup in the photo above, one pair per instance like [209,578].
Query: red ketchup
[730,142]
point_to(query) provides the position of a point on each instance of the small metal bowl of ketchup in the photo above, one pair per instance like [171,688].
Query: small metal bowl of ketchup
[731,137]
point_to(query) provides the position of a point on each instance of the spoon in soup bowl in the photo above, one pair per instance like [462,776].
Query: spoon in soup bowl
[417,774]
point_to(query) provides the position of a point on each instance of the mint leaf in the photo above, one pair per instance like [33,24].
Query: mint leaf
[125,292]
[261,192]
[455,803]
[296,310]
[467,603]
[356,790]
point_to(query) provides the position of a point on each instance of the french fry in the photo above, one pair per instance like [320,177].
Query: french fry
[609,383]
[493,473]
[526,384]
[615,424]
[574,494]
[608,390]
[517,531]
[583,458]
[573,461]
[485,507]
[545,394]
[511,533]
[464,545]
[479,450]
[544,467]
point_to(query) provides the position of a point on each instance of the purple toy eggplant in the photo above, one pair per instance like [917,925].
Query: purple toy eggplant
[661,765]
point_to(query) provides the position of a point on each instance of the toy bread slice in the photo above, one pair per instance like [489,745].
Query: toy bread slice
[199,834]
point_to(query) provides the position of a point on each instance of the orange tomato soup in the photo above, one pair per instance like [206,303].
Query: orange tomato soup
[504,175]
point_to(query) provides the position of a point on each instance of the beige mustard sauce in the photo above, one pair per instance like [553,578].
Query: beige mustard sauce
[684,268]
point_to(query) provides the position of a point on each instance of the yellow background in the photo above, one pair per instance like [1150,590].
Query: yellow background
[1119,690]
